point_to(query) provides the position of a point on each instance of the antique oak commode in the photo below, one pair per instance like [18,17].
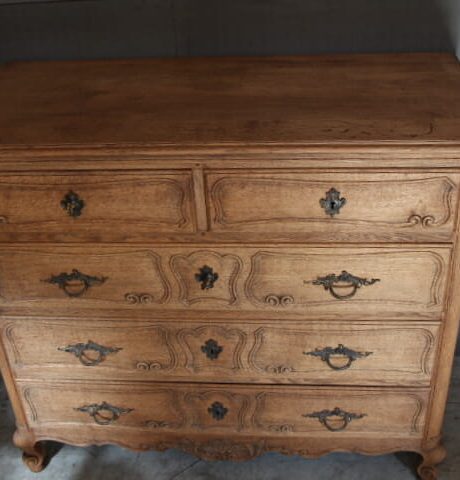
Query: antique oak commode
[231,256]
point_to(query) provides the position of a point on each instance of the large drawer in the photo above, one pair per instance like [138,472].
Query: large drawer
[314,353]
[316,283]
[95,207]
[333,207]
[246,410]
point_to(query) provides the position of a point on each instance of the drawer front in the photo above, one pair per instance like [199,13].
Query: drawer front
[95,207]
[334,207]
[218,409]
[335,353]
[368,283]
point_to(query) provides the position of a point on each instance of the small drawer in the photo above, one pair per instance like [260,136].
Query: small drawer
[95,207]
[333,207]
[246,410]
[317,353]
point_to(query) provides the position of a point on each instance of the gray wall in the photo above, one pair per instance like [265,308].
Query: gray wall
[37,29]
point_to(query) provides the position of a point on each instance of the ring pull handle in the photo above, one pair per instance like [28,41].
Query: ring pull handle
[82,352]
[75,284]
[324,417]
[104,413]
[327,353]
[207,277]
[72,204]
[334,283]
[332,203]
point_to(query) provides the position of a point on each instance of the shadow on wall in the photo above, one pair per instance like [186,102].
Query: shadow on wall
[142,28]
[451,15]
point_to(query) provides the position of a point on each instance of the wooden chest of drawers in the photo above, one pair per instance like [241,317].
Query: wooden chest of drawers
[231,256]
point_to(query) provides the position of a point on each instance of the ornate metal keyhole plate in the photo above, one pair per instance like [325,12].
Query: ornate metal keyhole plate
[72,204]
[217,411]
[332,203]
[207,277]
[212,349]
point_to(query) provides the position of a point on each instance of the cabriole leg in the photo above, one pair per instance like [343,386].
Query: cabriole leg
[431,458]
[35,454]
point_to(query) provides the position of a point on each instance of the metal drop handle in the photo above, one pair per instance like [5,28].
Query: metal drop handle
[325,354]
[324,417]
[75,283]
[81,351]
[104,413]
[334,283]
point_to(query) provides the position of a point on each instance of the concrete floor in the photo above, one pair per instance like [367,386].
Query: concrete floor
[113,463]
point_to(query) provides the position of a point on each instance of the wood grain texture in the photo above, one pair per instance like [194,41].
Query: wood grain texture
[330,99]
[443,372]
[262,282]
[122,204]
[219,166]
[226,447]
[347,156]
[377,206]
[223,206]
[250,353]
[251,409]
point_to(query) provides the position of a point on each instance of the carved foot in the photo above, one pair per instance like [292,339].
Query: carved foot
[35,455]
[35,458]
[431,458]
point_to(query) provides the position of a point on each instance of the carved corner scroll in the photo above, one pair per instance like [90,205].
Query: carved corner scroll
[139,298]
[184,268]
[147,298]
[438,192]
[273,369]
[429,221]
[155,365]
[175,407]
[279,300]
[259,424]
